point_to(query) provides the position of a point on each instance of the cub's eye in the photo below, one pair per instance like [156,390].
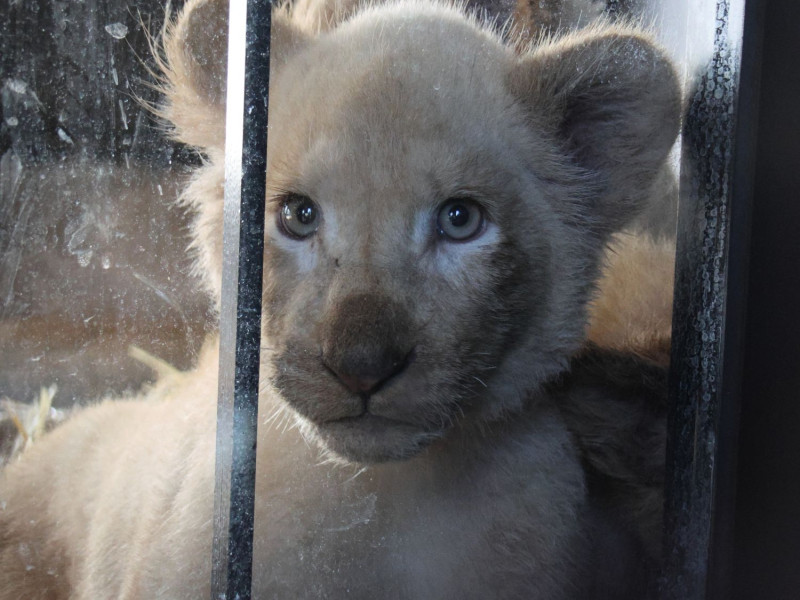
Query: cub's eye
[298,216]
[460,219]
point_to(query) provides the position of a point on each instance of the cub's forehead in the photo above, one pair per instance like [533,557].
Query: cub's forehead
[408,68]
[397,93]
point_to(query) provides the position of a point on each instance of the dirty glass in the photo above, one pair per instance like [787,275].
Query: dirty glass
[111,273]
[96,288]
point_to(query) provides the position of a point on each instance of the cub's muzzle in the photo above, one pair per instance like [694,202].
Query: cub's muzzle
[367,342]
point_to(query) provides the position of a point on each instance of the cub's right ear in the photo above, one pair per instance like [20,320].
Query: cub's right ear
[195,66]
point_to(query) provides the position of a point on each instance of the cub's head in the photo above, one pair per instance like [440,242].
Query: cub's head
[437,206]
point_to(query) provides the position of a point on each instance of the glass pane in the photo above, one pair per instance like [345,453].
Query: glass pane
[469,261]
[98,295]
[93,244]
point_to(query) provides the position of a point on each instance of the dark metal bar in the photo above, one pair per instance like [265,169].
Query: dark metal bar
[240,312]
[708,321]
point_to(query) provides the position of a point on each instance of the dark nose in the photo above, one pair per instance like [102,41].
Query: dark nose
[367,342]
[364,369]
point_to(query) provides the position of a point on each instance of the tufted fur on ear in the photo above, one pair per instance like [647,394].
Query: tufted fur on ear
[612,101]
[194,67]
[193,64]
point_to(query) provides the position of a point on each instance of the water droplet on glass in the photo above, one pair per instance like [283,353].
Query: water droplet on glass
[117,30]
[24,551]
[17,85]
[84,258]
[123,115]
[64,136]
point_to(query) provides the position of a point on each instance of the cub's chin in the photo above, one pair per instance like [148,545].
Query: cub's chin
[372,439]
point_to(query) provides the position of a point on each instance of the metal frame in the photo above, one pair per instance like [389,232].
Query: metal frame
[710,306]
[710,289]
[240,314]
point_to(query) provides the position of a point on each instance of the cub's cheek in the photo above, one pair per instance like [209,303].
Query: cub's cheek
[288,255]
[461,264]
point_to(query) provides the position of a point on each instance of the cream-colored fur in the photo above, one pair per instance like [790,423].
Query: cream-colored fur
[455,476]
[633,308]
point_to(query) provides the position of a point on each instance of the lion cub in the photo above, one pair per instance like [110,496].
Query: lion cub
[438,207]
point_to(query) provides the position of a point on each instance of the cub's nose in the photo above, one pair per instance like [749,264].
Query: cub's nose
[364,369]
[366,341]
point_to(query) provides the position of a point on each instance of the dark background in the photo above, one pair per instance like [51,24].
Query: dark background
[767,532]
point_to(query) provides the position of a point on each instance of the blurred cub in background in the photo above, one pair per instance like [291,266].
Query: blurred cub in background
[440,196]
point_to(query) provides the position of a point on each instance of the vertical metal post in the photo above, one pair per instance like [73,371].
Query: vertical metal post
[708,321]
[240,314]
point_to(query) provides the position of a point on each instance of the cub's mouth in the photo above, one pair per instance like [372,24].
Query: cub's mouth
[366,383]
[372,438]
[393,421]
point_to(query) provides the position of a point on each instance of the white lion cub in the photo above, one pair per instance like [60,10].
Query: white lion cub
[438,206]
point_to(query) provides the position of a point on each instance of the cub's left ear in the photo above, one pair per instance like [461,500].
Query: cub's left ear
[195,66]
[612,98]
